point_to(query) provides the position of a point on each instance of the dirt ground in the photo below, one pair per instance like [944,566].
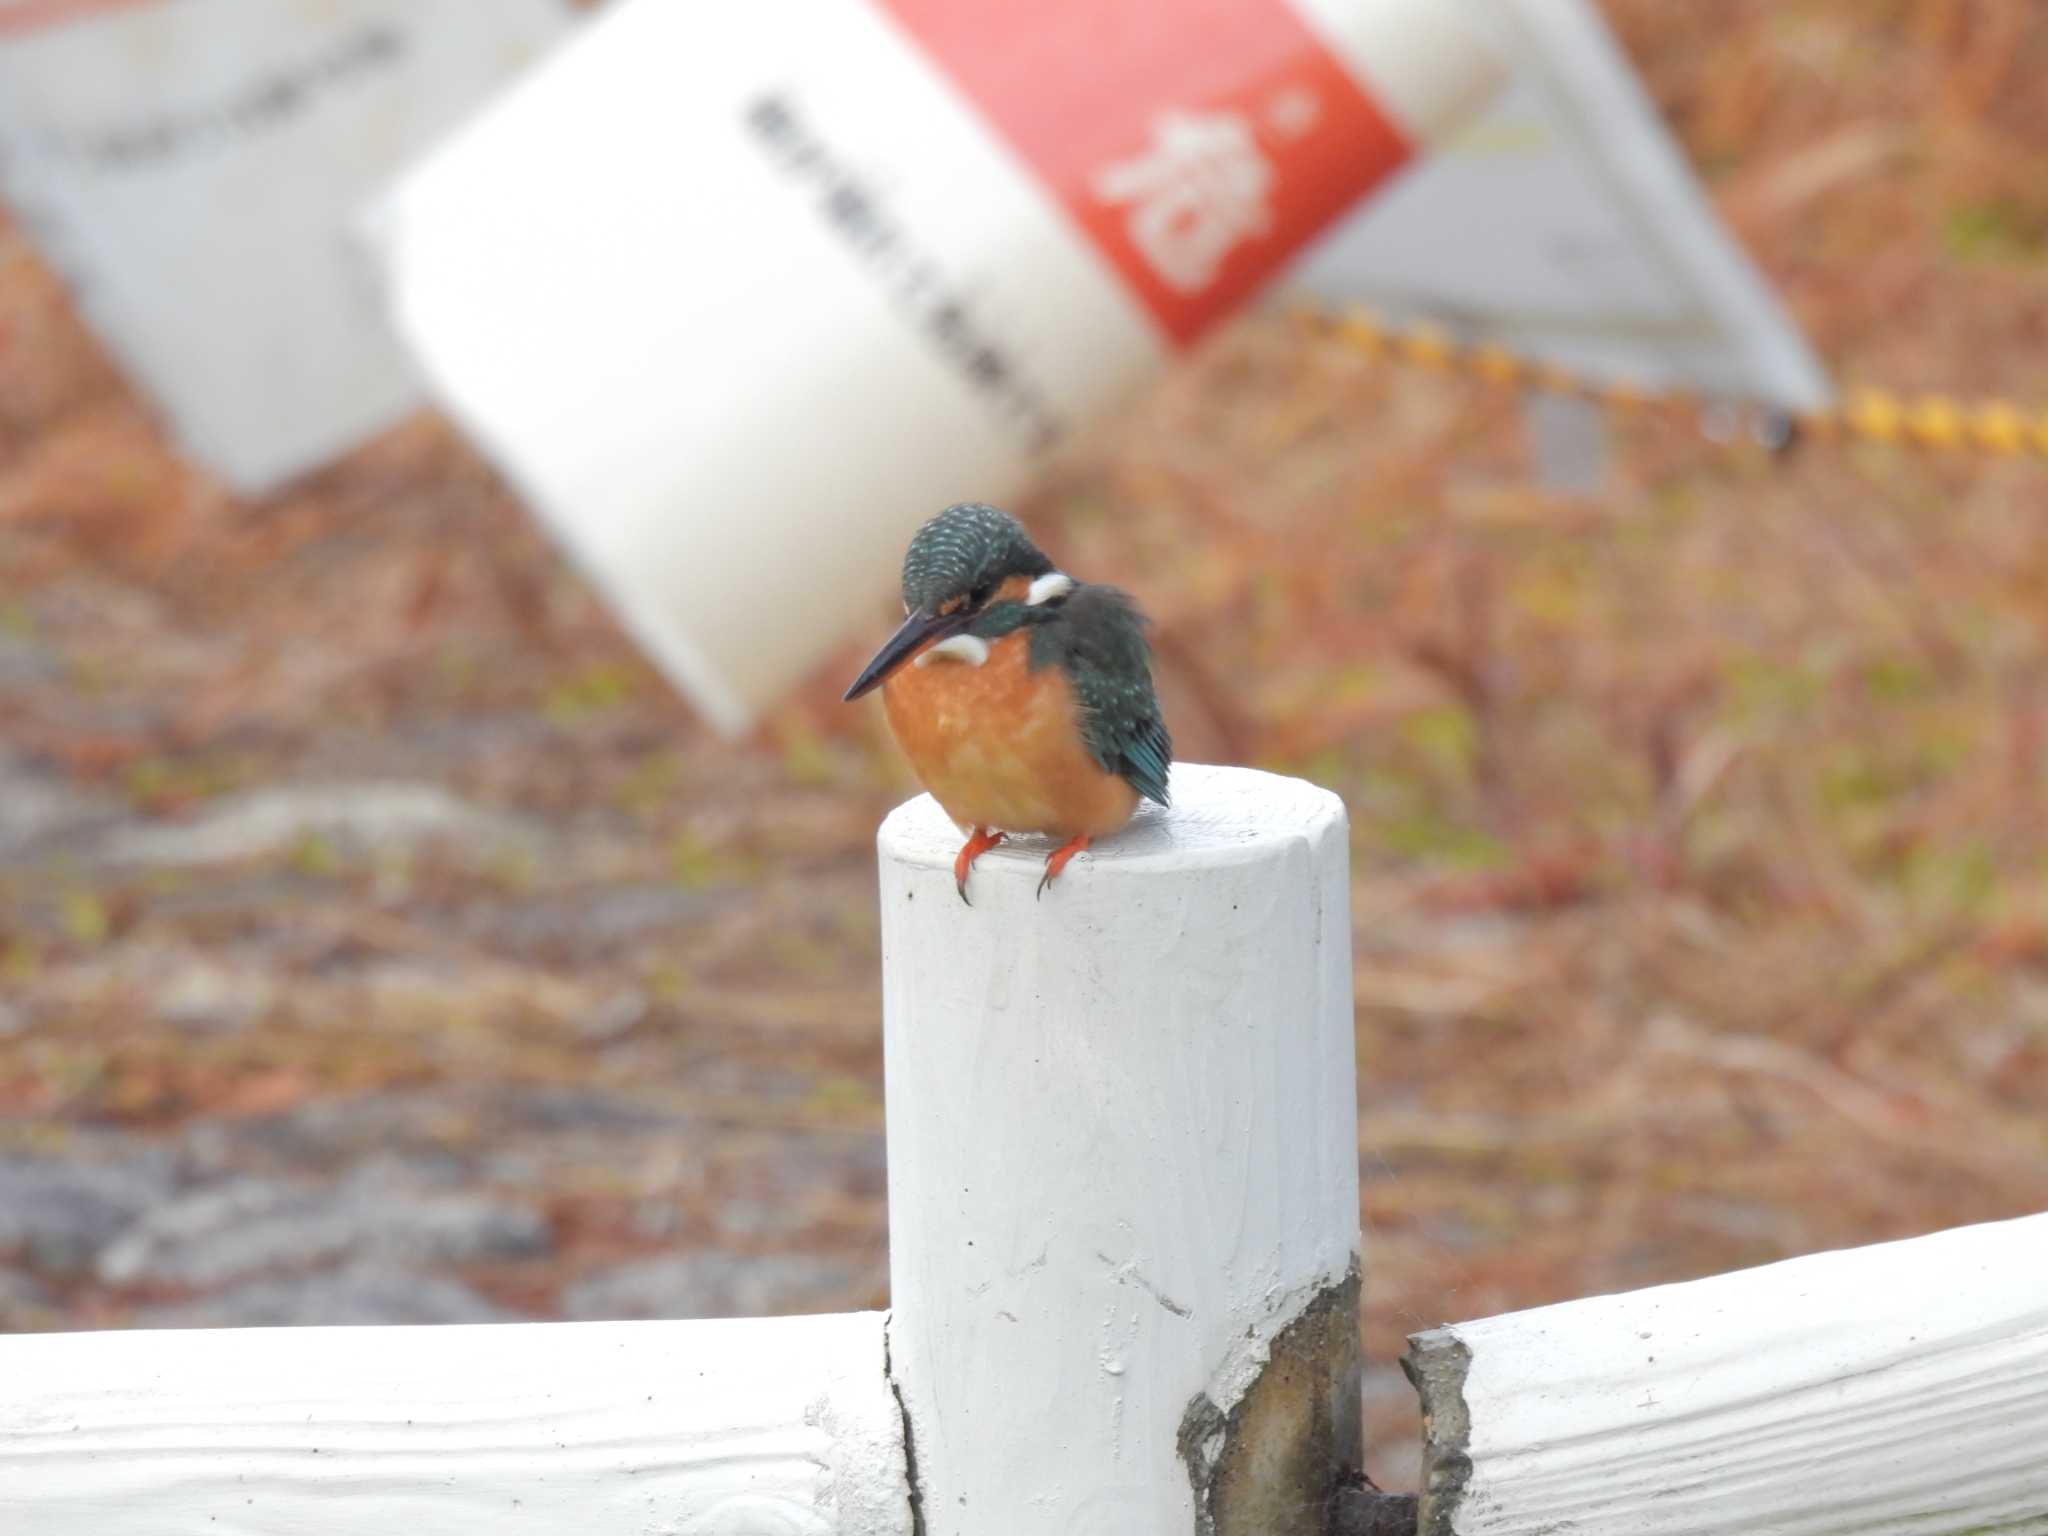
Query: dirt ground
[381,939]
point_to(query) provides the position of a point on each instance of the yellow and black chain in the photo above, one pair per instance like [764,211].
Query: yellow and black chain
[1871,415]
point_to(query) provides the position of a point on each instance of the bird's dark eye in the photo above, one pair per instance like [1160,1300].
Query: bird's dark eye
[980,595]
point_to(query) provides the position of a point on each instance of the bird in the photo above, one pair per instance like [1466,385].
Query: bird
[1022,696]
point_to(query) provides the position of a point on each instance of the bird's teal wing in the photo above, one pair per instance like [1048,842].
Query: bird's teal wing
[1098,636]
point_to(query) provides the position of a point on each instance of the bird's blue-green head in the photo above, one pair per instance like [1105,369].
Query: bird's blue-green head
[964,554]
[955,565]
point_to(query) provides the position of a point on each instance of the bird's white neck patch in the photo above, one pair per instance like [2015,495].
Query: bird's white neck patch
[971,649]
[1049,586]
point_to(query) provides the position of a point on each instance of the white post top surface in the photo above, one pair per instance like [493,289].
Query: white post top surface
[1220,816]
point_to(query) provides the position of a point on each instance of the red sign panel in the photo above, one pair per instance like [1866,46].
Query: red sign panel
[1198,143]
[35,15]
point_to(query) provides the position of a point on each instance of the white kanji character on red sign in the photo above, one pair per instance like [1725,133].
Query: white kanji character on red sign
[1195,195]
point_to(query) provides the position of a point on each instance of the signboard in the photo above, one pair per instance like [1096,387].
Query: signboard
[191,167]
[740,295]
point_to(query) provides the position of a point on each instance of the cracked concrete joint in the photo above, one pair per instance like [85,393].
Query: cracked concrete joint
[909,1442]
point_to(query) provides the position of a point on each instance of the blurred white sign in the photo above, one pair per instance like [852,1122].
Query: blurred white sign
[192,166]
[739,295]
[1564,224]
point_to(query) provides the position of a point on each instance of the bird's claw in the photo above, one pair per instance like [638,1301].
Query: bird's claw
[975,847]
[1058,859]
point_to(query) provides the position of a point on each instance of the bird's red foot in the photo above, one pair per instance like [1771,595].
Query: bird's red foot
[1057,860]
[977,845]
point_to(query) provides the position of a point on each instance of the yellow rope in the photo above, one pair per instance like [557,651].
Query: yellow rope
[1873,415]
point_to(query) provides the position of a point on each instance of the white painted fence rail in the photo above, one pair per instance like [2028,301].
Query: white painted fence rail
[1900,1389]
[781,1427]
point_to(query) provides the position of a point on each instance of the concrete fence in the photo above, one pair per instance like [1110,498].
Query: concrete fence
[1124,1267]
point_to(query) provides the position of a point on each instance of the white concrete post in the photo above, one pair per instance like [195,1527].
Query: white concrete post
[1123,1170]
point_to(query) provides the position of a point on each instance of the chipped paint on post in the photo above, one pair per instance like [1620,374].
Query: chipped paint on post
[1274,1461]
[1437,1363]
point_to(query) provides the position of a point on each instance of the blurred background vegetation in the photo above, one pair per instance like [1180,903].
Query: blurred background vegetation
[1701,866]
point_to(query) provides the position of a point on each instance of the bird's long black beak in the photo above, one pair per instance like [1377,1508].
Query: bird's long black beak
[921,626]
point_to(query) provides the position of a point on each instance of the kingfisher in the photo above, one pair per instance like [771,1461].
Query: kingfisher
[1022,696]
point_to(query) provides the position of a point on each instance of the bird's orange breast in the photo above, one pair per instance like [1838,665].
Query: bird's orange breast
[999,745]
